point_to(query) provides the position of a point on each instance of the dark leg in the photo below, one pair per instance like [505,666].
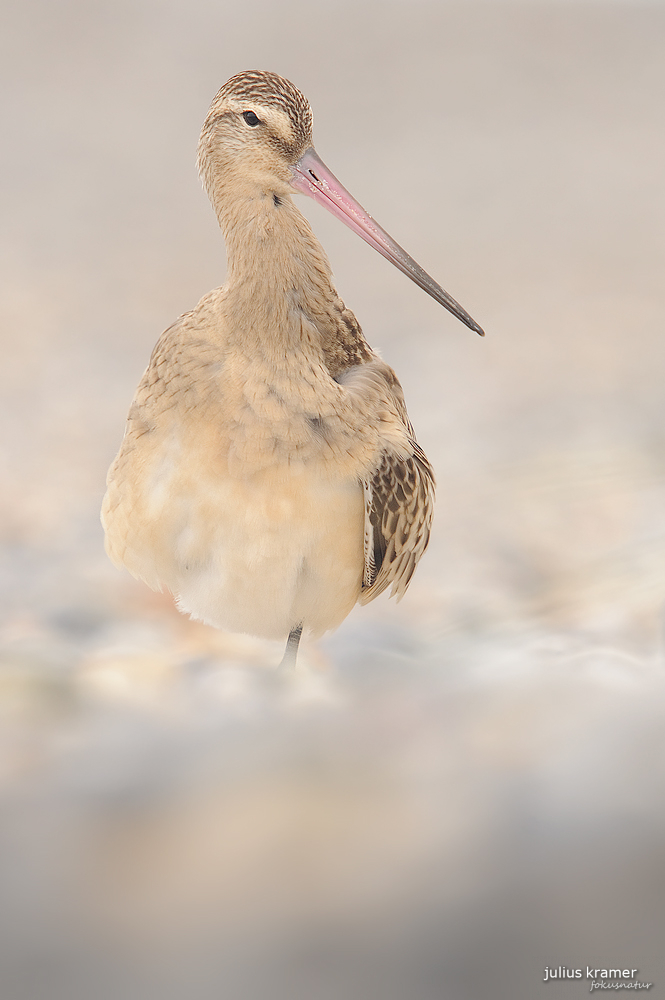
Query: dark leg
[291,651]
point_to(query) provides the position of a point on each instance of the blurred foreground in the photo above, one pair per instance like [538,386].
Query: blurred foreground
[460,790]
[443,824]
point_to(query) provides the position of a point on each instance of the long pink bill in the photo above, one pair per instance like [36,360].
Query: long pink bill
[312,177]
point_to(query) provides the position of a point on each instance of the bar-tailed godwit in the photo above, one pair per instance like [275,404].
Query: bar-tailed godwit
[269,476]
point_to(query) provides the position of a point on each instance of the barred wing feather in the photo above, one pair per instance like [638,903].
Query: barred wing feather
[399,499]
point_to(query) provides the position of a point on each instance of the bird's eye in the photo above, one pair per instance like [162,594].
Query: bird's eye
[251,118]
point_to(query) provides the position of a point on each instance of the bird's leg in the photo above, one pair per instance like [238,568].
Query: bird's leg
[291,651]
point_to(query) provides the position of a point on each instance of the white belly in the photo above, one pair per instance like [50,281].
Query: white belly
[282,551]
[256,554]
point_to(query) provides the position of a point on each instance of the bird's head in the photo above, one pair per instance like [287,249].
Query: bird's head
[257,128]
[256,142]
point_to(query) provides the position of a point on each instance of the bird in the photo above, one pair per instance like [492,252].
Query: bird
[269,476]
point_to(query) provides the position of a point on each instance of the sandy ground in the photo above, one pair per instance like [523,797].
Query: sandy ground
[465,788]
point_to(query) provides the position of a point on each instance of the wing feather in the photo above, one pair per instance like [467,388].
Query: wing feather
[398,486]
[399,500]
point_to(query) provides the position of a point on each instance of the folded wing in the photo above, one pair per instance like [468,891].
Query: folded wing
[399,499]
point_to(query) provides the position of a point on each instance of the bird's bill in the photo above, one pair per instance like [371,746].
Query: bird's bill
[312,177]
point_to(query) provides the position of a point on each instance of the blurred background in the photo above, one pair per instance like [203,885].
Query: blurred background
[465,788]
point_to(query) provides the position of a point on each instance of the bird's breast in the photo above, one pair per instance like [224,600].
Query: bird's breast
[272,419]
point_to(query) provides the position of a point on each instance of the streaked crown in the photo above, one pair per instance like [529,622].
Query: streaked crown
[254,89]
[275,91]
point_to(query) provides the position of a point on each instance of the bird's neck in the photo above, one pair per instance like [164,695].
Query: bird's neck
[280,289]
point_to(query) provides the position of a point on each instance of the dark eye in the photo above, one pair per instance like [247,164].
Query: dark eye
[251,118]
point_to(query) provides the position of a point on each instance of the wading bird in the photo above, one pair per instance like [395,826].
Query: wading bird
[269,476]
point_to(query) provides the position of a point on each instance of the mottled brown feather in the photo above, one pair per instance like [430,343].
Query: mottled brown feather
[399,503]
